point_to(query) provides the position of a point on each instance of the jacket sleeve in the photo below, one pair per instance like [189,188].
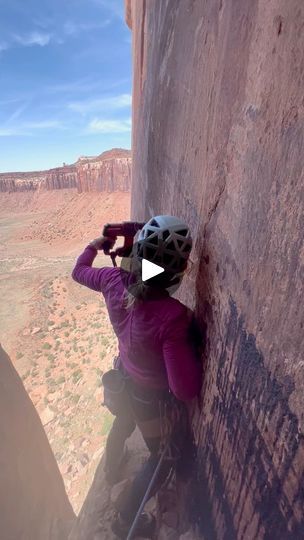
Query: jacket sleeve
[94,278]
[182,364]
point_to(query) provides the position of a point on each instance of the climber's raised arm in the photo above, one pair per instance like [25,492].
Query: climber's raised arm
[83,272]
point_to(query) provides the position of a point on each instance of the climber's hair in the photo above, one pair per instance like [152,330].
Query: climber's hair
[142,293]
[146,292]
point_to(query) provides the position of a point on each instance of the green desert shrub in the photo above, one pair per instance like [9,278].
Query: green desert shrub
[65,324]
[76,375]
[96,325]
[25,375]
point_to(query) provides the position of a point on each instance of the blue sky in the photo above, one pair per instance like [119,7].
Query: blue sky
[65,81]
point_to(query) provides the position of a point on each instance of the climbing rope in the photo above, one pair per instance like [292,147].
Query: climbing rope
[146,496]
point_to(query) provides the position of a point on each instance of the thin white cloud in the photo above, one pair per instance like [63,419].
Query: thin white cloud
[76,88]
[29,128]
[8,101]
[82,85]
[17,112]
[115,7]
[30,39]
[3,46]
[106,103]
[33,38]
[109,126]
[8,132]
[71,28]
[44,124]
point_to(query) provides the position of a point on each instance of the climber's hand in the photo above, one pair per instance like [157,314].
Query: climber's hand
[102,241]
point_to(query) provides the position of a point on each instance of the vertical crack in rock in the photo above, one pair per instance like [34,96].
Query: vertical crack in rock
[213,209]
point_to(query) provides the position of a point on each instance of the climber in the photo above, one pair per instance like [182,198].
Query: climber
[157,361]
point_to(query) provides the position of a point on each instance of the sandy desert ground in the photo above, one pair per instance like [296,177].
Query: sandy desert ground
[57,332]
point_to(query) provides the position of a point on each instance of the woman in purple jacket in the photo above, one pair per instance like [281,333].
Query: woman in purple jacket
[156,355]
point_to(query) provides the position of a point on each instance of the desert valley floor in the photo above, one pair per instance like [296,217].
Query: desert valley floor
[58,333]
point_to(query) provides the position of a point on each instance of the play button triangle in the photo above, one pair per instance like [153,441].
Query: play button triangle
[150,270]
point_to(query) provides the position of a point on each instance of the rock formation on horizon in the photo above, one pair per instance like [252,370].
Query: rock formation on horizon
[110,171]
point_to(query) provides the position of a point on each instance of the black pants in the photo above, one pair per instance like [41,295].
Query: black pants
[143,410]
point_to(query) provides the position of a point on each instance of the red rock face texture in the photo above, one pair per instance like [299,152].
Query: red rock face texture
[33,501]
[111,171]
[218,140]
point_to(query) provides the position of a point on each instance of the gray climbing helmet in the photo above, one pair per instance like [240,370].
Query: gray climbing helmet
[166,241]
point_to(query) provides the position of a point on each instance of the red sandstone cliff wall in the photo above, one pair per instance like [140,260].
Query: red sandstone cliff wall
[218,140]
[128,13]
[33,501]
[59,178]
[111,171]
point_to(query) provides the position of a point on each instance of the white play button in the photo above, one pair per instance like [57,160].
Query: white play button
[150,270]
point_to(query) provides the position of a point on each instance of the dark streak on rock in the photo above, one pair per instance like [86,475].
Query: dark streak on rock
[243,410]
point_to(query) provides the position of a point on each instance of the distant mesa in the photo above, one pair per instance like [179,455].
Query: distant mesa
[110,171]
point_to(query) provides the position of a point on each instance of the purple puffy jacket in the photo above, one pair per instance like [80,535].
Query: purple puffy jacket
[153,335]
